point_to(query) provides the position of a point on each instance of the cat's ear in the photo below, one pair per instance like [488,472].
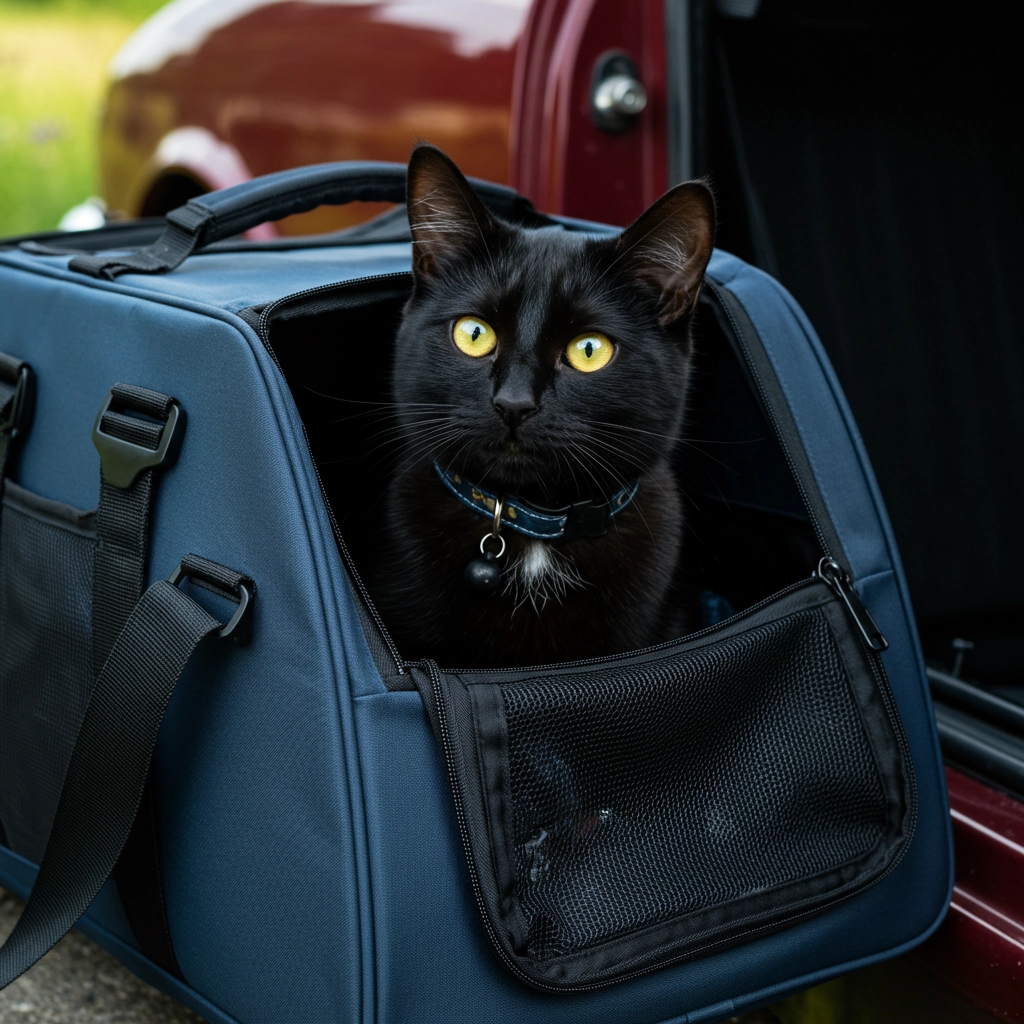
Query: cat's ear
[668,247]
[445,215]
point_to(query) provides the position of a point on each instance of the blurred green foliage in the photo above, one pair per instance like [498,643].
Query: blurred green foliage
[133,10]
[53,60]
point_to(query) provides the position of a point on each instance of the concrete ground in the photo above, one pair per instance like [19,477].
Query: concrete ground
[78,983]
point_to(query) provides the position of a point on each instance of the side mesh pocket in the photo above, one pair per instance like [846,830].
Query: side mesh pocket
[46,561]
[621,815]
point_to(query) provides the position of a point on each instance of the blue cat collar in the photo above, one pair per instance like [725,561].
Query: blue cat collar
[582,519]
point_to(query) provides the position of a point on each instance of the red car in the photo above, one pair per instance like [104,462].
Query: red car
[861,152]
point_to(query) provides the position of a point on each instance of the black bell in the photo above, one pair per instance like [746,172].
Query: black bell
[483,574]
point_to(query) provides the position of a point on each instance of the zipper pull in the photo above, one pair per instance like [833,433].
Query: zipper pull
[833,574]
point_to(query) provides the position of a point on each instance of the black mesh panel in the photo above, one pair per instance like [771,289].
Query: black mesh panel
[46,556]
[640,795]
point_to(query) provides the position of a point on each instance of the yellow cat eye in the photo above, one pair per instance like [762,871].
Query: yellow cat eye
[474,336]
[589,352]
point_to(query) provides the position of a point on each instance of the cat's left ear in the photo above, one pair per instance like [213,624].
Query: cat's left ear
[668,247]
[446,217]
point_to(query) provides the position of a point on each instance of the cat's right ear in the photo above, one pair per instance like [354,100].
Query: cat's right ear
[445,215]
[668,246]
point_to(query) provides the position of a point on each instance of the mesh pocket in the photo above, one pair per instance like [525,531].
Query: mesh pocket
[46,558]
[623,814]
[666,789]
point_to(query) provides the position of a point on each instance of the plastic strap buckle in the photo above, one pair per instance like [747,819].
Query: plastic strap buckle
[585,519]
[122,461]
[21,404]
[240,590]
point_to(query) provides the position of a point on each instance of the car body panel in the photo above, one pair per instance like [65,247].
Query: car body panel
[291,83]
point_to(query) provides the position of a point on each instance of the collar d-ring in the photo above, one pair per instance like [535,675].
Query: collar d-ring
[496,521]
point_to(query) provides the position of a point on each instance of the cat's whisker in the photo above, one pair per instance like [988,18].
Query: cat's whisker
[362,401]
[402,449]
[695,444]
[615,449]
[434,442]
[406,428]
[398,443]
[387,457]
[608,468]
[558,454]
[424,438]
[670,437]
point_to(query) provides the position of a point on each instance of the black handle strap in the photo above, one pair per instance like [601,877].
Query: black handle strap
[219,215]
[109,764]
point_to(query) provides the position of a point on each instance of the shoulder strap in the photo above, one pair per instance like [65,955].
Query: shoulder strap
[110,761]
[137,433]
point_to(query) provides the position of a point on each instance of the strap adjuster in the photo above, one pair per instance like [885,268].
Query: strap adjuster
[123,461]
[224,582]
[585,519]
[22,403]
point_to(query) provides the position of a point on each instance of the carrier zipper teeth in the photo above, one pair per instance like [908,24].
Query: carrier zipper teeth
[263,330]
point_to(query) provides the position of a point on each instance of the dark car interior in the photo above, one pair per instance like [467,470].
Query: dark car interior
[867,155]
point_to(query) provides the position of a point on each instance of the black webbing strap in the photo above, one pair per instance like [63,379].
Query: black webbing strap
[126,498]
[166,253]
[109,766]
[16,394]
[130,455]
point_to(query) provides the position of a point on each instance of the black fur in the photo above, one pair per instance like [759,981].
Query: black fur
[522,421]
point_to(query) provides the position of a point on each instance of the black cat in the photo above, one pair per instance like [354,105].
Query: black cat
[547,369]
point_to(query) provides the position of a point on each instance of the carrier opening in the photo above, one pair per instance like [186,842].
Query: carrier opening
[747,532]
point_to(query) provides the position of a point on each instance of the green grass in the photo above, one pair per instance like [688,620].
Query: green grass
[53,64]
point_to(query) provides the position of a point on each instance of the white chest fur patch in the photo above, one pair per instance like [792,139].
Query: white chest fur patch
[541,573]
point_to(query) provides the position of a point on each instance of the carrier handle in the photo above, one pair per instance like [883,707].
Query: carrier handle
[219,215]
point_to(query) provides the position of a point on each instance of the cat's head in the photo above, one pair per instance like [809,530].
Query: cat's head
[545,362]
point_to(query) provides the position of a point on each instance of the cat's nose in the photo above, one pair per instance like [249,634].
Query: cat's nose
[514,409]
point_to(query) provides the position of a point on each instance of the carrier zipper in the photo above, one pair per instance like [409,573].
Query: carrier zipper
[832,573]
[263,330]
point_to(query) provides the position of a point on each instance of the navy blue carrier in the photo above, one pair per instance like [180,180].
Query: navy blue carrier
[216,761]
